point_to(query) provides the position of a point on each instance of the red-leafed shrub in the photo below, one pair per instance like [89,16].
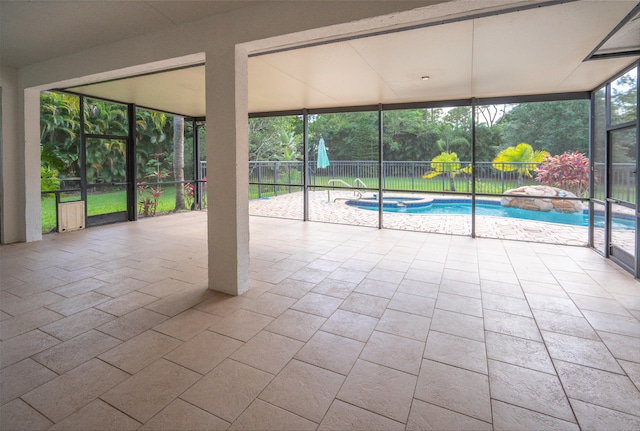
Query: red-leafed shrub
[568,171]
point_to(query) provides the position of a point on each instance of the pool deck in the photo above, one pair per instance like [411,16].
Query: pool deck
[320,209]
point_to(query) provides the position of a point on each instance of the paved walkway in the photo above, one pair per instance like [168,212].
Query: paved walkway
[290,206]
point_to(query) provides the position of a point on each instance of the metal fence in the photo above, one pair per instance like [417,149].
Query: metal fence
[269,178]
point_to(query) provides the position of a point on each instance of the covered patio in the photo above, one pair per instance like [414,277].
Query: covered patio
[344,327]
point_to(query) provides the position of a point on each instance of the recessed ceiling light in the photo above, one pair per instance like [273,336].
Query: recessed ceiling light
[424,78]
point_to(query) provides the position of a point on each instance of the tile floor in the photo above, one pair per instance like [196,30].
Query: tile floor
[345,327]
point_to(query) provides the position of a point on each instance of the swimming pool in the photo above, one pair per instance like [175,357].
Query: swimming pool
[412,205]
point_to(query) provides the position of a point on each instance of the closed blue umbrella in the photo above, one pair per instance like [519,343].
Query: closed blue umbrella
[323,159]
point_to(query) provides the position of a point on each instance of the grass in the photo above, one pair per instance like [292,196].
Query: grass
[103,203]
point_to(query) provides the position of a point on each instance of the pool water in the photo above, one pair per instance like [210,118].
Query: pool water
[485,208]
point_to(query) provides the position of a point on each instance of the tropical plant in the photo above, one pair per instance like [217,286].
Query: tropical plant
[568,171]
[446,164]
[49,179]
[522,158]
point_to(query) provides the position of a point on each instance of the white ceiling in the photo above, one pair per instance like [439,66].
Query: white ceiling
[534,51]
[34,31]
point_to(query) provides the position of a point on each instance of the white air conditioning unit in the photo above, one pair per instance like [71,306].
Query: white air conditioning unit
[70,216]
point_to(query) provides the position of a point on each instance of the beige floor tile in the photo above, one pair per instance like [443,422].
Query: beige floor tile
[511,324]
[457,351]
[459,324]
[413,304]
[267,352]
[603,305]
[374,287]
[26,322]
[187,325]
[425,416]
[613,391]
[350,325]
[331,287]
[633,371]
[221,304]
[501,287]
[161,284]
[121,288]
[69,327]
[303,389]
[459,304]
[461,288]
[468,275]
[419,288]
[17,305]
[508,417]
[453,388]
[78,303]
[18,415]
[506,304]
[79,287]
[622,325]
[64,395]
[228,390]
[261,416]
[292,288]
[23,346]
[393,351]
[518,351]
[404,324]
[564,324]
[595,418]
[379,389]
[320,305]
[132,324]
[126,303]
[427,276]
[343,416]
[146,393]
[581,351]
[204,351]
[269,304]
[310,275]
[530,389]
[553,304]
[178,302]
[331,352]
[182,416]
[241,324]
[346,274]
[370,305]
[271,275]
[296,324]
[71,353]
[97,416]
[137,353]
[22,377]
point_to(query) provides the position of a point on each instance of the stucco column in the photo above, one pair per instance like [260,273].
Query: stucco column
[227,170]
[20,159]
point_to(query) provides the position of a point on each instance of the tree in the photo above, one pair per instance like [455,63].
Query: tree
[446,164]
[553,126]
[522,158]
[59,132]
[178,160]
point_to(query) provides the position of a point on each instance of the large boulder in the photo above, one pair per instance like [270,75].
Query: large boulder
[539,198]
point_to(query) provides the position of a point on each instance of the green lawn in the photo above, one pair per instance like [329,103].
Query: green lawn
[103,203]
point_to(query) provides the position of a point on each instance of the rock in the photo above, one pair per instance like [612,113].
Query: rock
[537,198]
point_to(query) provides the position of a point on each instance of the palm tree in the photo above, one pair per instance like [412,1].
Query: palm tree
[446,164]
[522,158]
